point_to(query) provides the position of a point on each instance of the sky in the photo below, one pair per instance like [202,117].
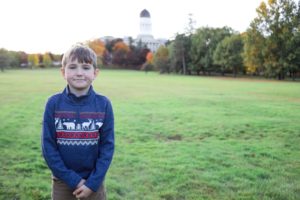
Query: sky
[39,26]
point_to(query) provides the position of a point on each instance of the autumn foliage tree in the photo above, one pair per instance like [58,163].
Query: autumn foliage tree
[33,59]
[252,54]
[47,61]
[149,57]
[278,21]
[99,48]
[97,45]
[148,65]
[161,60]
[120,50]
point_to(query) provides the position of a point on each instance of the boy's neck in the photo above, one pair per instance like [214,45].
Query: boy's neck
[78,93]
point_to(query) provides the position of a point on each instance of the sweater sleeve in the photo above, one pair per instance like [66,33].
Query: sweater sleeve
[50,149]
[106,151]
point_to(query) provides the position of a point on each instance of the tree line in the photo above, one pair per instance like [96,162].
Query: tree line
[270,47]
[21,59]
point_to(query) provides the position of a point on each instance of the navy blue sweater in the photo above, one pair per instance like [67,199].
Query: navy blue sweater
[78,137]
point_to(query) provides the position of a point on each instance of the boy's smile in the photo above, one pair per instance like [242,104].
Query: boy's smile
[79,76]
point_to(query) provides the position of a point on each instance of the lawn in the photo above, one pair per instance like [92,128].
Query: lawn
[177,137]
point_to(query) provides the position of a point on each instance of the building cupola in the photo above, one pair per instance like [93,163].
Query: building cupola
[145,13]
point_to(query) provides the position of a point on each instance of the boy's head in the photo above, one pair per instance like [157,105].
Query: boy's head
[81,53]
[79,68]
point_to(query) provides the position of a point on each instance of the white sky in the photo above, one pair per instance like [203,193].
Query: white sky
[37,26]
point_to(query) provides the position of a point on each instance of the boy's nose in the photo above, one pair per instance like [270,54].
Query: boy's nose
[79,71]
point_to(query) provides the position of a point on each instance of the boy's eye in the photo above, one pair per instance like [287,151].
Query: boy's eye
[72,66]
[86,67]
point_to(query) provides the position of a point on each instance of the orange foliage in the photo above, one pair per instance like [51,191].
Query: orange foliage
[121,46]
[98,46]
[149,57]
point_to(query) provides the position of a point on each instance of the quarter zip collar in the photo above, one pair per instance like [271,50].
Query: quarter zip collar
[81,100]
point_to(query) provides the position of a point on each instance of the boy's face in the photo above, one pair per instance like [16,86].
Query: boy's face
[79,76]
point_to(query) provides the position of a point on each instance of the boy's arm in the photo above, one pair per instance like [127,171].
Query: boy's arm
[106,151]
[50,149]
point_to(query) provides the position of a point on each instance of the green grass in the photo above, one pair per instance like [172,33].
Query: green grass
[177,137]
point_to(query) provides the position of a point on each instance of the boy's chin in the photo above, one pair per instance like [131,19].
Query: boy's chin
[80,88]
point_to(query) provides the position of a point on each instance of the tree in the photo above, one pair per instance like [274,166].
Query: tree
[161,59]
[33,59]
[294,57]
[107,57]
[149,58]
[109,44]
[47,61]
[253,57]
[14,59]
[190,28]
[4,59]
[228,54]
[204,42]
[137,56]
[142,54]
[121,46]
[179,53]
[99,48]
[23,58]
[278,22]
[120,50]
[148,65]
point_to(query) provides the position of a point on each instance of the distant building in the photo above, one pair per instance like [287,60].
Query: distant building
[145,36]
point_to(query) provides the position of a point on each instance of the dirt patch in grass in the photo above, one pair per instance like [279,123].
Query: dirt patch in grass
[175,137]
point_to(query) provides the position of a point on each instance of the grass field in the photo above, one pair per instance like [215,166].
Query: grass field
[177,138]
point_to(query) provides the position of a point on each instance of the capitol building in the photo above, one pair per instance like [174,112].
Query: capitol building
[145,36]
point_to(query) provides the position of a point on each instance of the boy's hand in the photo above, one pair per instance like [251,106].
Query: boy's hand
[82,192]
[81,183]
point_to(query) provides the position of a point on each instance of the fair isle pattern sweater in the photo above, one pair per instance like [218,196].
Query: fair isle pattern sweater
[78,137]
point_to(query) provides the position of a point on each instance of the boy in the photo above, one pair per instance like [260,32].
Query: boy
[78,131]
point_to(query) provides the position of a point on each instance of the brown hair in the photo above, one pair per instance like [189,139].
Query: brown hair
[81,53]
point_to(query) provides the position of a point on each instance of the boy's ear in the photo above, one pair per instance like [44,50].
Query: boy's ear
[96,72]
[62,70]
